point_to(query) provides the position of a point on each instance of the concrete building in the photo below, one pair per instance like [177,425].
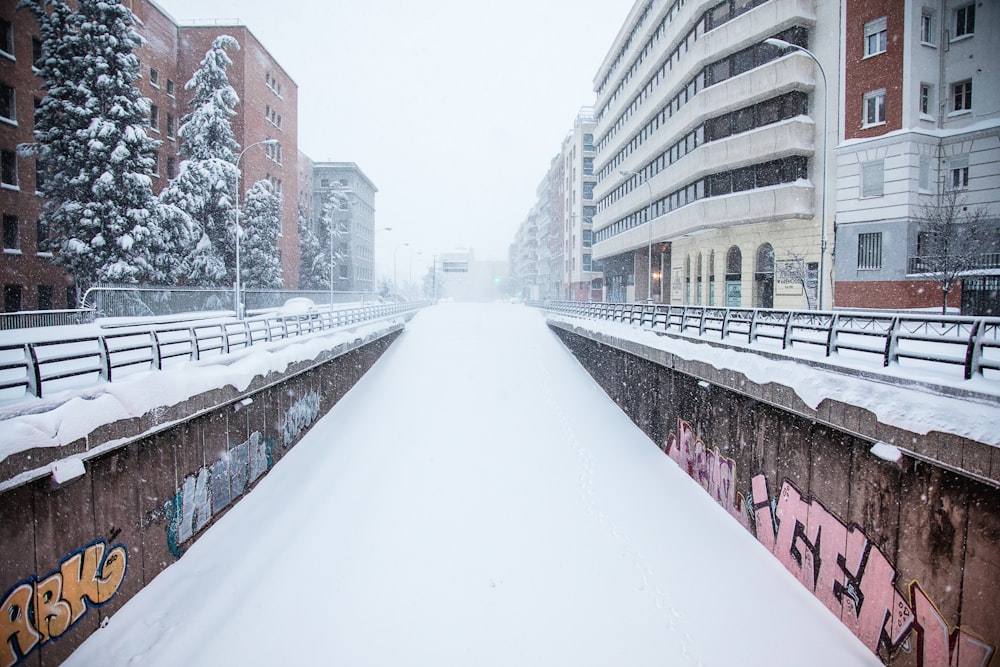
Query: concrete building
[710,153]
[268,109]
[357,272]
[582,274]
[922,116]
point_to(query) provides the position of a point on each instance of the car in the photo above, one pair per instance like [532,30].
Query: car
[300,307]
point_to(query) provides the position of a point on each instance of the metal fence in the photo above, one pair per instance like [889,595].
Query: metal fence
[969,343]
[45,318]
[145,301]
[36,367]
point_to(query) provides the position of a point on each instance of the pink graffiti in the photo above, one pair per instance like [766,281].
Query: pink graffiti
[938,643]
[708,467]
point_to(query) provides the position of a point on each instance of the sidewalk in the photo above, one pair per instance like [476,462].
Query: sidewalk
[476,500]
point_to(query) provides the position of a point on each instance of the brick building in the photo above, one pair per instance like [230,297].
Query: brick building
[268,110]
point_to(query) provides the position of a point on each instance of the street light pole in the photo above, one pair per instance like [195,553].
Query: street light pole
[236,302]
[782,44]
[649,224]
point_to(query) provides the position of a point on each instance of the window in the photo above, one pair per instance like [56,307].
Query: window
[45,297]
[875,37]
[872,179]
[8,168]
[965,21]
[6,37]
[588,238]
[588,166]
[42,238]
[170,88]
[927,28]
[588,190]
[154,117]
[925,99]
[874,103]
[960,177]
[870,251]
[154,77]
[171,130]
[36,50]
[171,167]
[12,298]
[961,96]
[7,106]
[11,234]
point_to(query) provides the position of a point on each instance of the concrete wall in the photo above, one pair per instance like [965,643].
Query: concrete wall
[906,554]
[71,556]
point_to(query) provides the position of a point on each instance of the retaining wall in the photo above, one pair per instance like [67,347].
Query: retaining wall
[72,555]
[905,553]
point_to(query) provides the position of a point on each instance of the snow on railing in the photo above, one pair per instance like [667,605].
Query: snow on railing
[36,365]
[972,343]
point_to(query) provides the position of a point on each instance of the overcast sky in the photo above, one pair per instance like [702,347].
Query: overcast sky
[453,108]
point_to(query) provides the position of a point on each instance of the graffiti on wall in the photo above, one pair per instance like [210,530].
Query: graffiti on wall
[836,562]
[214,487]
[40,609]
[300,415]
[708,467]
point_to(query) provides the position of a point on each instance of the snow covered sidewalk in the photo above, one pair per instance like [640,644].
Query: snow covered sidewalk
[475,500]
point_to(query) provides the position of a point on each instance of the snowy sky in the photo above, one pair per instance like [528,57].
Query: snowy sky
[453,108]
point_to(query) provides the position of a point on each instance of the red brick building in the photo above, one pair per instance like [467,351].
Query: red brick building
[267,110]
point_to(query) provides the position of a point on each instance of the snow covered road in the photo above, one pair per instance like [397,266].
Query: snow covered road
[475,500]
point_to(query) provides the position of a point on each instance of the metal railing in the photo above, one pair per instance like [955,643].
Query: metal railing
[27,319]
[35,366]
[971,343]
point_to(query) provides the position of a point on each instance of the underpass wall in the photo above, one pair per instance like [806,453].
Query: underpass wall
[71,555]
[905,553]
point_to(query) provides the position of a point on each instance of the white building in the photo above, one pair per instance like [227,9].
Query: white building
[720,138]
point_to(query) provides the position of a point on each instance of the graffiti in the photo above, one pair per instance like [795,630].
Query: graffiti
[836,562]
[856,582]
[301,414]
[213,488]
[708,467]
[38,610]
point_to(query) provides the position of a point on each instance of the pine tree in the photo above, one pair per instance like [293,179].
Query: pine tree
[92,153]
[206,181]
[260,222]
[314,267]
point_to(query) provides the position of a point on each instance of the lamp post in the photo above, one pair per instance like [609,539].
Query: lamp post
[782,44]
[395,285]
[236,302]
[649,224]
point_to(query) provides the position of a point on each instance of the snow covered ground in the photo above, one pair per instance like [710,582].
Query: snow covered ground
[475,500]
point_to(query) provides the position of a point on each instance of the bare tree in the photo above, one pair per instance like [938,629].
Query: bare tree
[794,269]
[950,243]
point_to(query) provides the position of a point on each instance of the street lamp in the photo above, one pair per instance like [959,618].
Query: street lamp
[649,224]
[395,285]
[782,44]
[265,142]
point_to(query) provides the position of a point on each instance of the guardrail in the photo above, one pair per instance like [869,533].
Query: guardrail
[34,366]
[972,343]
[26,319]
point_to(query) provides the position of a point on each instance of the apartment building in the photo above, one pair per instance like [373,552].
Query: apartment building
[710,146]
[357,271]
[921,117]
[583,277]
[267,110]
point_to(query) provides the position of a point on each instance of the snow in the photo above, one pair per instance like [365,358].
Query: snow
[886,452]
[475,499]
[894,403]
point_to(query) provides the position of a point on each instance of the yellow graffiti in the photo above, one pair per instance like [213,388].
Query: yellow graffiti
[37,611]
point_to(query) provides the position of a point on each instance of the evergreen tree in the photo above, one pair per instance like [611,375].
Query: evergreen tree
[207,178]
[93,156]
[312,259]
[260,222]
[315,245]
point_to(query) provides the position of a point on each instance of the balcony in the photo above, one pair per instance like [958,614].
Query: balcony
[923,264]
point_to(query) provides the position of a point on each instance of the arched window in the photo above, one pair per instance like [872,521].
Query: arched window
[763,277]
[734,277]
[711,278]
[698,278]
[687,279]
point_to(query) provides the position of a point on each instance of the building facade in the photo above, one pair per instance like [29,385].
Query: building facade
[357,271]
[922,118]
[582,274]
[268,109]
[711,160]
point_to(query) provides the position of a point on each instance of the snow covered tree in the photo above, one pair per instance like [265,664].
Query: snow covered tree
[206,181]
[313,261]
[322,250]
[94,159]
[260,222]
[950,242]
